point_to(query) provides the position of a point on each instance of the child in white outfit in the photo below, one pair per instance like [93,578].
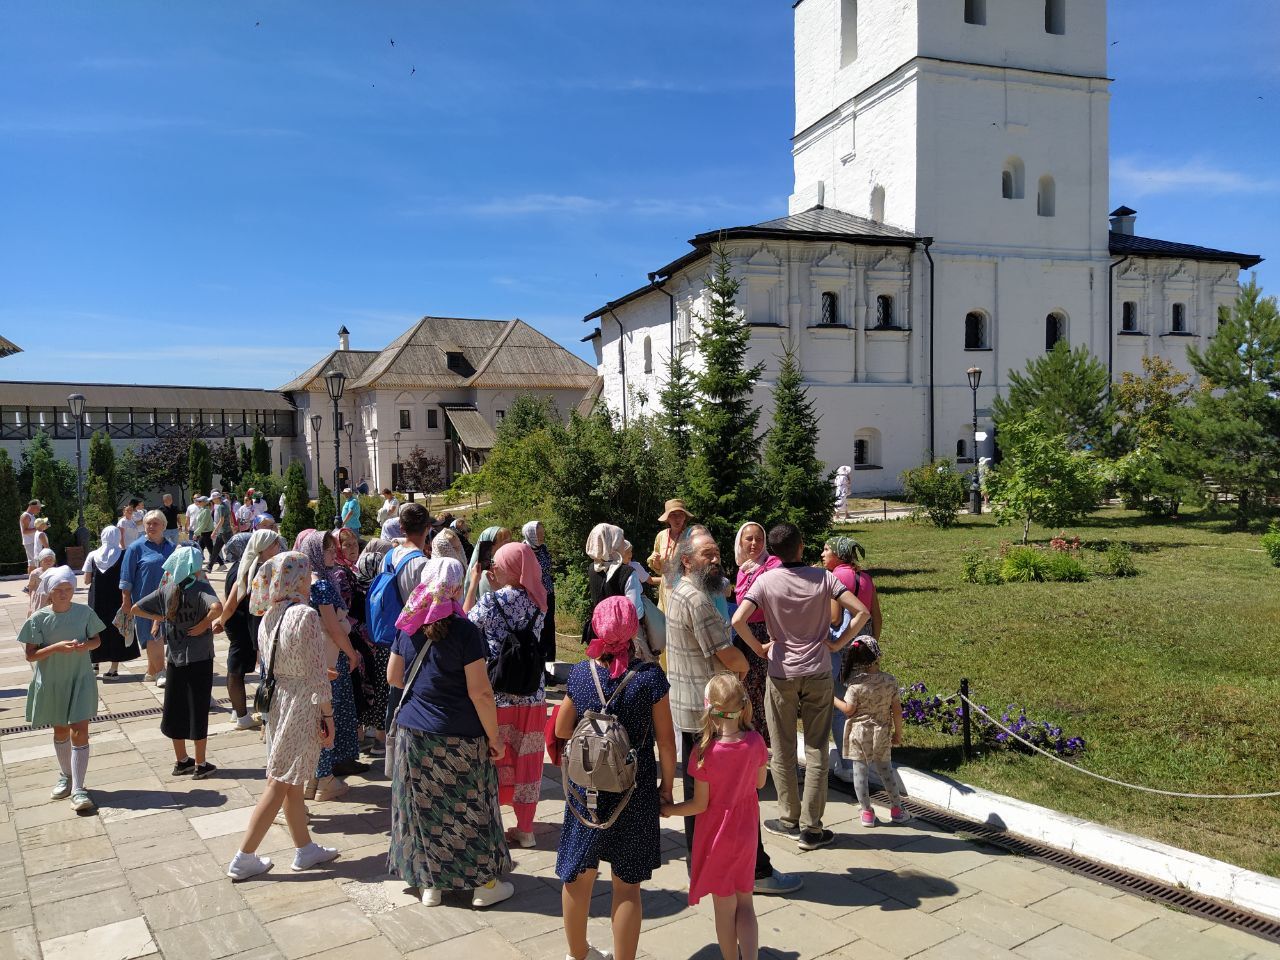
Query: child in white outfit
[874,725]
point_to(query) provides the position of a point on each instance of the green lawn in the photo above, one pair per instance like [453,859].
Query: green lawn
[1173,676]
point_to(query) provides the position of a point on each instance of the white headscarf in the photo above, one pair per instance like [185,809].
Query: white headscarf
[447,544]
[46,552]
[56,576]
[604,545]
[258,541]
[740,552]
[105,557]
[530,532]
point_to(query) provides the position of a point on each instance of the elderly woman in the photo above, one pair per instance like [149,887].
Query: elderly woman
[518,602]
[536,538]
[609,576]
[342,759]
[37,582]
[140,573]
[247,552]
[185,606]
[446,825]
[481,560]
[841,555]
[662,560]
[102,576]
[753,558]
[447,544]
[372,713]
[300,721]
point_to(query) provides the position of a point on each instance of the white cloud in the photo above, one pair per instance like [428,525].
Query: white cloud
[1133,177]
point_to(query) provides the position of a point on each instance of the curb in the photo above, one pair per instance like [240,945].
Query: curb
[1212,878]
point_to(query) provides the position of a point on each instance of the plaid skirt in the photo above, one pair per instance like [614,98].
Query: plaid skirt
[446,826]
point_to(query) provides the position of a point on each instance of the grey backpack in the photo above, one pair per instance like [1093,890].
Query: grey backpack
[599,758]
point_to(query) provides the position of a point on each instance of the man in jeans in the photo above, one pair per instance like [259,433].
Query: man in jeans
[796,600]
[698,647]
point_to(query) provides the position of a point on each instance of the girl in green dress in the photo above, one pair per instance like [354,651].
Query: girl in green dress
[62,693]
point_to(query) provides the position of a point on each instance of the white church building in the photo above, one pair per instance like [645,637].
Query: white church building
[949,211]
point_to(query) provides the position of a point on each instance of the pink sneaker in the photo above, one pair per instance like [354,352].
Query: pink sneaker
[898,815]
[868,818]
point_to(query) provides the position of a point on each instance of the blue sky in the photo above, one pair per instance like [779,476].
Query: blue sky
[203,193]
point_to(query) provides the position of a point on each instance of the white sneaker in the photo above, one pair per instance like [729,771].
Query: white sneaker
[313,855]
[62,789]
[431,896]
[246,865]
[522,838]
[592,954]
[495,891]
[331,788]
[160,680]
[247,722]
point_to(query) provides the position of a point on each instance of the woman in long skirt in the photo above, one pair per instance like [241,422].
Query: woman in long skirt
[102,576]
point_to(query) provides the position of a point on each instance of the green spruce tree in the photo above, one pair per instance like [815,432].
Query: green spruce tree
[799,489]
[721,482]
[246,463]
[298,515]
[199,467]
[326,508]
[1069,390]
[46,486]
[678,398]
[12,555]
[102,468]
[261,453]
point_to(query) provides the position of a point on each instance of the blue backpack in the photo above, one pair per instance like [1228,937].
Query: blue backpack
[385,602]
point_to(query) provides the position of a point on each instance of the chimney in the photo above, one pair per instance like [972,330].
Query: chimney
[1122,219]
[344,342]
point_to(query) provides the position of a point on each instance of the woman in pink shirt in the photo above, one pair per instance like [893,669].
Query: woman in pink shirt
[753,559]
[841,555]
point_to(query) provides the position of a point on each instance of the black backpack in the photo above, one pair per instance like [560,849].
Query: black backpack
[517,669]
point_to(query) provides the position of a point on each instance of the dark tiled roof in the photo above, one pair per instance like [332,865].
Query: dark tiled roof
[816,223]
[1123,244]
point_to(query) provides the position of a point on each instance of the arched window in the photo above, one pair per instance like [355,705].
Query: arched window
[975,11]
[975,331]
[830,308]
[1055,16]
[1013,179]
[1055,329]
[648,355]
[1178,318]
[1046,199]
[848,32]
[962,450]
[1129,317]
[877,203]
[884,311]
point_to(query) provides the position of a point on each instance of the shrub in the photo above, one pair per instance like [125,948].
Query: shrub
[1271,543]
[1118,561]
[1023,565]
[1066,566]
[979,568]
[937,491]
[369,525]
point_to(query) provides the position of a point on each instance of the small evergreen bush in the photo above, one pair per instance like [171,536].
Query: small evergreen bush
[1118,561]
[1271,542]
[1024,565]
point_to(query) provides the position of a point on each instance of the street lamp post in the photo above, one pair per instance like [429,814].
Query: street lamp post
[373,435]
[975,488]
[335,382]
[76,403]
[395,470]
[316,420]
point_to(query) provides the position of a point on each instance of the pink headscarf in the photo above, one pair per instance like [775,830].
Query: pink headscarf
[431,600]
[614,625]
[519,565]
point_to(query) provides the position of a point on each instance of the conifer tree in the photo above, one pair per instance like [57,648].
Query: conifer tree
[246,462]
[261,453]
[326,507]
[678,398]
[47,488]
[800,491]
[1069,390]
[11,505]
[721,481]
[298,515]
[199,467]
[102,469]
[1228,437]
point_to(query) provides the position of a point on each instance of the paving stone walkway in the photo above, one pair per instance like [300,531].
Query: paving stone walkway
[143,876]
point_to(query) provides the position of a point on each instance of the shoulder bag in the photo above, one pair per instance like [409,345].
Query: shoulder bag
[266,692]
[389,761]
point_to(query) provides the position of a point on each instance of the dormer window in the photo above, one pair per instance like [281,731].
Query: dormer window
[458,363]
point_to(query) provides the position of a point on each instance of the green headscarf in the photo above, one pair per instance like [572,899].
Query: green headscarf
[183,565]
[849,550]
[489,535]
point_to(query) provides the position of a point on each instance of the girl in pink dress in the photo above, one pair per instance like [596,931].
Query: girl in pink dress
[730,765]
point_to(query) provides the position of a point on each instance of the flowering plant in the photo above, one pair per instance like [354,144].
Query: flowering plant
[925,710]
[1062,542]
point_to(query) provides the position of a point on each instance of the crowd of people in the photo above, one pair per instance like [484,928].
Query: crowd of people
[431,655]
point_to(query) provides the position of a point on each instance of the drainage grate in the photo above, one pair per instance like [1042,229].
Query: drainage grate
[104,718]
[1216,910]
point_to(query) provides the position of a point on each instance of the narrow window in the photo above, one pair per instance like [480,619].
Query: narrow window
[975,331]
[1178,319]
[1055,17]
[1129,317]
[830,313]
[342,421]
[1013,179]
[1055,329]
[848,32]
[1046,200]
[877,204]
[648,355]
[433,419]
[405,420]
[975,11]
[884,311]
[860,452]
[500,414]
[1006,185]
[962,450]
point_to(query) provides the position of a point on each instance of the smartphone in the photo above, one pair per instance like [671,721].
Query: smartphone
[486,554]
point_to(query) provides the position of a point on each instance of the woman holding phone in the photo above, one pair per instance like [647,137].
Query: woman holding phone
[487,545]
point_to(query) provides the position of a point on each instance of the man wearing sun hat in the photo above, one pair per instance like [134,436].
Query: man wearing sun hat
[662,560]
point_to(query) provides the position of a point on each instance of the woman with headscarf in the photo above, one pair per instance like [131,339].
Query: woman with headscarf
[461,528]
[348,548]
[841,555]
[37,584]
[536,537]
[844,486]
[300,721]
[185,606]
[447,544]
[246,552]
[446,825]
[609,576]
[372,713]
[517,603]
[343,758]
[345,558]
[102,576]
[632,844]
[752,557]
[478,582]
